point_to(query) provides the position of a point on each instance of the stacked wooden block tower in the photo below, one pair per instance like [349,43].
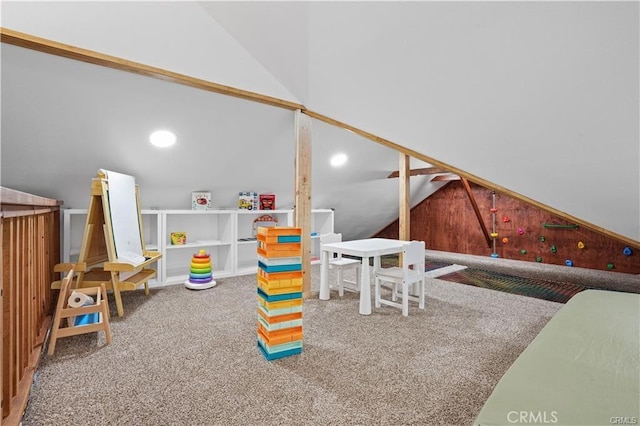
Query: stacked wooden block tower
[279,291]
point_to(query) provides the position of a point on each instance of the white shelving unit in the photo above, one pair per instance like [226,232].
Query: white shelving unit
[246,225]
[210,230]
[227,235]
[321,223]
[73,224]
[73,221]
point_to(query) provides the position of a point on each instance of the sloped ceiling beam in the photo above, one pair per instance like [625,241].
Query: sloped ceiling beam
[59,49]
[445,178]
[467,188]
[420,172]
[71,52]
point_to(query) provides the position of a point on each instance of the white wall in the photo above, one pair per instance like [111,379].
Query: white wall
[538,97]
[178,36]
[274,33]
[62,120]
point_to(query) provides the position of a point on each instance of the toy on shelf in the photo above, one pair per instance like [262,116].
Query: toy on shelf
[200,274]
[178,238]
[267,201]
[200,200]
[265,220]
[248,200]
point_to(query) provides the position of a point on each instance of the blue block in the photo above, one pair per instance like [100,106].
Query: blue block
[271,357]
[289,239]
[278,297]
[280,268]
[87,319]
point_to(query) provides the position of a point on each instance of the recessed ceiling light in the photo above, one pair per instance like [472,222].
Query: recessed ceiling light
[162,138]
[338,160]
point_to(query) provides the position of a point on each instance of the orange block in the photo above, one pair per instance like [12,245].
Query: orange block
[279,253]
[279,337]
[279,275]
[271,231]
[281,283]
[290,303]
[273,290]
[269,247]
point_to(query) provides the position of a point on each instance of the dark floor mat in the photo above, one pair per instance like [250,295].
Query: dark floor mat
[542,289]
[430,266]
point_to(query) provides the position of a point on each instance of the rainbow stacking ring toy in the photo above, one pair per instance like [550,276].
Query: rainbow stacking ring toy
[200,274]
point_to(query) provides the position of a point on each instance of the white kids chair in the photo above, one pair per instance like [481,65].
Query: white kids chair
[411,272]
[340,264]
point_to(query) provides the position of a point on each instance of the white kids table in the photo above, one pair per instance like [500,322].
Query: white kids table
[366,249]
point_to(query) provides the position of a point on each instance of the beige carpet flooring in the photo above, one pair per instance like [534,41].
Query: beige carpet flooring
[184,357]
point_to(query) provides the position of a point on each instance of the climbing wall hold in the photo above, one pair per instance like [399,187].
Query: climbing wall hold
[542,239]
[580,245]
[523,251]
[520,231]
[505,219]
[505,240]
[494,235]
[627,251]
[610,266]
[568,262]
[553,249]
[538,259]
[495,255]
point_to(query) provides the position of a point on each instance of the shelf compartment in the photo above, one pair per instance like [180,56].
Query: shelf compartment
[199,243]
[178,262]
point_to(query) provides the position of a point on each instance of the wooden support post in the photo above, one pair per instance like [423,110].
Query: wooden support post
[404,216]
[302,196]
[2,248]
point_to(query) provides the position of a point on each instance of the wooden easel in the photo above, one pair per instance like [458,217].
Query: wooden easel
[98,261]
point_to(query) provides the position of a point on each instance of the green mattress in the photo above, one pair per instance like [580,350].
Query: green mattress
[582,368]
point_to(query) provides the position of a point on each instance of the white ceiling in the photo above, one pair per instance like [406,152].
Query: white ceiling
[62,120]
[540,98]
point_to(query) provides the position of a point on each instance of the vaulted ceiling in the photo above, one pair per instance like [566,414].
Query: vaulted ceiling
[532,97]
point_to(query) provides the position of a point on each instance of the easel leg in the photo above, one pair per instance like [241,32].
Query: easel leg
[105,314]
[116,293]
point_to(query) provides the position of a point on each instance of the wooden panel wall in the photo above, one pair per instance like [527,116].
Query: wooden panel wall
[446,221]
[30,250]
